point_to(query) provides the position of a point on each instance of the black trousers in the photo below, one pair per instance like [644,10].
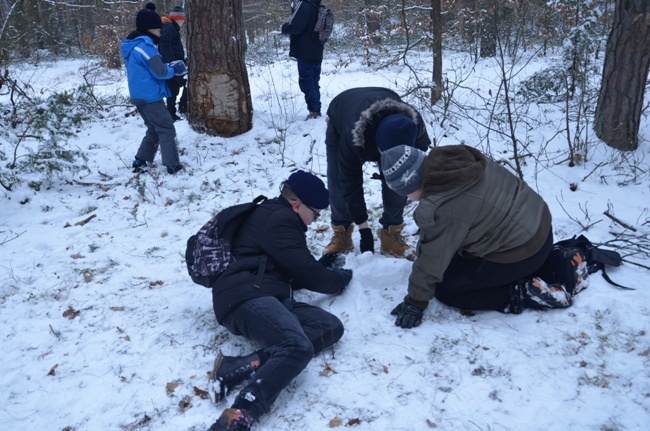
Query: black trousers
[291,333]
[175,85]
[392,202]
[478,284]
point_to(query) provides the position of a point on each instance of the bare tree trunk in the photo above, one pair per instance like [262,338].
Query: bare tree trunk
[219,92]
[627,59]
[436,31]
[489,28]
[373,20]
[6,10]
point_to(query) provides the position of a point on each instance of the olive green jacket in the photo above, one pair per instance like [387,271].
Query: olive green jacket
[472,206]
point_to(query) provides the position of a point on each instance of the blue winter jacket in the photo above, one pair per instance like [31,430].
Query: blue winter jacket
[145,70]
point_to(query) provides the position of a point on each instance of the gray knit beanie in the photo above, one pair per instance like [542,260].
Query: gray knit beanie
[402,168]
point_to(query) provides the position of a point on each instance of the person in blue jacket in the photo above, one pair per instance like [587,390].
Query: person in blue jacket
[147,77]
[306,48]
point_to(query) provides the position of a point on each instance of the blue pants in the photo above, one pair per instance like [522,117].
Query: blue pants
[392,202]
[290,333]
[308,78]
[160,132]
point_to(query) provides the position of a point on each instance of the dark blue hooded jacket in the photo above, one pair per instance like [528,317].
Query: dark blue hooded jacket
[304,44]
[274,232]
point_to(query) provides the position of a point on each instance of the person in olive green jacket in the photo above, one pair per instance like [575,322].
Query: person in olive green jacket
[486,240]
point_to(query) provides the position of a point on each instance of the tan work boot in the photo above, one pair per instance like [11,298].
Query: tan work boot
[393,243]
[341,240]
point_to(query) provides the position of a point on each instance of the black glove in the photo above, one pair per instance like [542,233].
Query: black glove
[408,315]
[346,274]
[332,260]
[367,242]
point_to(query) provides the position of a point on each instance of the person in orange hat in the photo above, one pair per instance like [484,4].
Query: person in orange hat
[171,49]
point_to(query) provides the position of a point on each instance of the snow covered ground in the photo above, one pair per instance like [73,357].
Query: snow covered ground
[102,329]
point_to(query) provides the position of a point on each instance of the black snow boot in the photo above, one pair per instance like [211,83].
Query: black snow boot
[229,371]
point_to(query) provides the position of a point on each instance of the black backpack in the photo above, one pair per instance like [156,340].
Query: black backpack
[208,251]
[597,258]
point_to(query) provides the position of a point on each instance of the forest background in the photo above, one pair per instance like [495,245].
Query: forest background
[101,327]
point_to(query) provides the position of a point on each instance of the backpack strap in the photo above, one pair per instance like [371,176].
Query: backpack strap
[613,283]
[260,272]
[233,217]
[258,200]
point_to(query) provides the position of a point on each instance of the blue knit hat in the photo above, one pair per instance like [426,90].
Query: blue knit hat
[148,18]
[396,129]
[309,188]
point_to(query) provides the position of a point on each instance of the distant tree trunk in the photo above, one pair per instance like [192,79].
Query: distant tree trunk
[219,92]
[489,30]
[436,31]
[373,20]
[627,59]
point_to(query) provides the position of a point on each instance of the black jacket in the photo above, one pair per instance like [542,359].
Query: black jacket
[304,44]
[171,46]
[276,232]
[353,119]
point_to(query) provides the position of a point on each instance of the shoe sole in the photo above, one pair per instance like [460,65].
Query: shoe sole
[410,257]
[218,390]
[547,297]
[578,264]
[336,250]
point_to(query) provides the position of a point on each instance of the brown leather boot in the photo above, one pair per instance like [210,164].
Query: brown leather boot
[393,243]
[341,240]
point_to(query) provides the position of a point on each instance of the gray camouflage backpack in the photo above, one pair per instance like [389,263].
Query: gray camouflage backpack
[324,23]
[208,253]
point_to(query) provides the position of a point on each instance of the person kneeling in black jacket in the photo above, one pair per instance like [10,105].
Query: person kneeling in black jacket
[253,298]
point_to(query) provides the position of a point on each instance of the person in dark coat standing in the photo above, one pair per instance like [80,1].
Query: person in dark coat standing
[307,50]
[363,122]
[254,298]
[171,49]
[486,239]
[147,76]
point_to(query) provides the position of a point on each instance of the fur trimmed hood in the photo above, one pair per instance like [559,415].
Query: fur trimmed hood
[366,126]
